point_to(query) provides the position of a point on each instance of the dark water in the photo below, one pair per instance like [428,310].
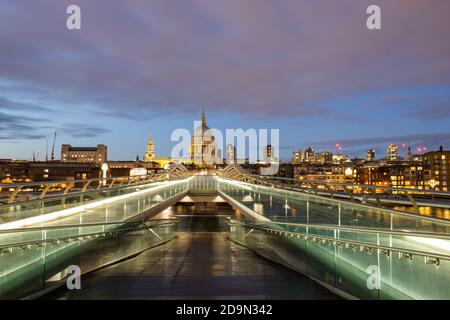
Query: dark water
[427,211]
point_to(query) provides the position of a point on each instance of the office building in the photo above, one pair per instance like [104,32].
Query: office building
[370,155]
[98,154]
[439,164]
[392,152]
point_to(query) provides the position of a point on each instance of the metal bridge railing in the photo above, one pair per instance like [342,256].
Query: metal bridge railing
[279,204]
[11,193]
[370,238]
[355,262]
[39,257]
[145,194]
[377,195]
[203,182]
[350,187]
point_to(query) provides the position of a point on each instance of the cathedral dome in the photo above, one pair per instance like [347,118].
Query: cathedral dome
[203,148]
[202,131]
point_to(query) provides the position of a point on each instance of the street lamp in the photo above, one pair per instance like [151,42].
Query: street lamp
[105,169]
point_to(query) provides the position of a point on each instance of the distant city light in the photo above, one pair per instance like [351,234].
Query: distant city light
[348,171]
[138,172]
[421,149]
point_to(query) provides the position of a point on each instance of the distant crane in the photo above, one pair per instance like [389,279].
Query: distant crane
[35,155]
[46,148]
[53,147]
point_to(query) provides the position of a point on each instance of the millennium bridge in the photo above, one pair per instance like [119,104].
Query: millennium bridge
[222,234]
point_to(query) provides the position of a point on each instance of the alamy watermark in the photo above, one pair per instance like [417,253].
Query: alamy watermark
[235,146]
[74,279]
[73,21]
[374,280]
[373,22]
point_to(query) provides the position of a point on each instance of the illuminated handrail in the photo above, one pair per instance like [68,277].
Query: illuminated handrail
[79,192]
[347,189]
[68,185]
[93,224]
[370,206]
[26,269]
[88,185]
[345,228]
[325,240]
[110,232]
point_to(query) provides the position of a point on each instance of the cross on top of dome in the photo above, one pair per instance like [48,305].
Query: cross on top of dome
[203,119]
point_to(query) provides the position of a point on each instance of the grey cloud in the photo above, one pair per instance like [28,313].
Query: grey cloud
[267,59]
[16,127]
[418,105]
[432,110]
[12,119]
[9,105]
[82,131]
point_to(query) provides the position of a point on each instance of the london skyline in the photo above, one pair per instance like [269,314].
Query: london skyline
[311,70]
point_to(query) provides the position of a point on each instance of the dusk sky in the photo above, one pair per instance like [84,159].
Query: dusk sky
[310,68]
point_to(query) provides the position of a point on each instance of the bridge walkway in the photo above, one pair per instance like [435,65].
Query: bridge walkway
[196,265]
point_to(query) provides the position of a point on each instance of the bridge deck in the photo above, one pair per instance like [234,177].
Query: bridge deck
[196,265]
